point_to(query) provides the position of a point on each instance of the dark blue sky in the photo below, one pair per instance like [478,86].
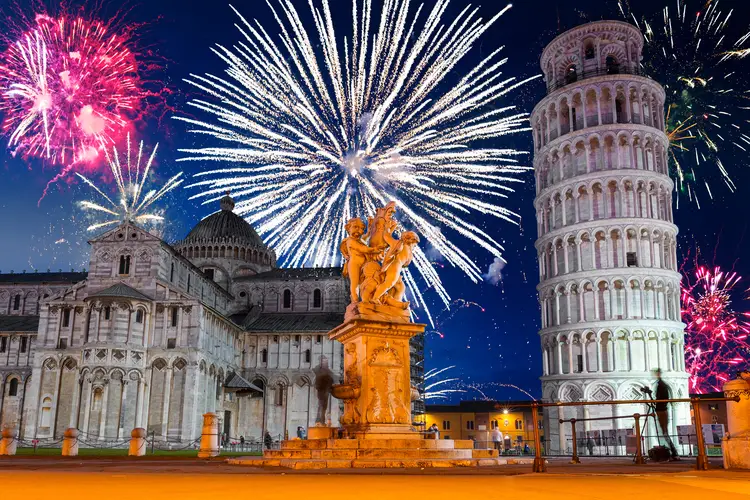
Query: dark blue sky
[499,344]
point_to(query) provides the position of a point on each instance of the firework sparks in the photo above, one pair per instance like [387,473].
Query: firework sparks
[69,90]
[483,389]
[434,386]
[698,59]
[130,175]
[717,337]
[318,131]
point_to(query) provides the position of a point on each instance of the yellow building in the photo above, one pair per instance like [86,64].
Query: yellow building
[477,419]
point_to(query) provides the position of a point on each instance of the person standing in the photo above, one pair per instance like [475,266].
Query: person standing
[662,413]
[434,431]
[497,439]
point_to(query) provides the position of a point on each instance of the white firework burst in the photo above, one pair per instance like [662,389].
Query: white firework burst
[434,389]
[135,203]
[316,128]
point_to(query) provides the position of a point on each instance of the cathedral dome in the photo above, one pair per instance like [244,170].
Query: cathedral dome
[225,225]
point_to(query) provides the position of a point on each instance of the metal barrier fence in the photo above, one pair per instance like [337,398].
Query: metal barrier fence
[701,458]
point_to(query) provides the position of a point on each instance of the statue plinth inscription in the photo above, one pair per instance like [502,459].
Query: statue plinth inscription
[377,388]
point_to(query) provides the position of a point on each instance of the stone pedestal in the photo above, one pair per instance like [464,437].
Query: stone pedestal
[377,412]
[736,443]
[319,432]
[137,446]
[209,436]
[8,443]
[377,382]
[70,442]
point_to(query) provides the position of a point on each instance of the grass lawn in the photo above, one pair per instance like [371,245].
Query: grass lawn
[109,452]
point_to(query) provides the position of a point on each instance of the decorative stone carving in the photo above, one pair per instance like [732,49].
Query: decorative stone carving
[374,268]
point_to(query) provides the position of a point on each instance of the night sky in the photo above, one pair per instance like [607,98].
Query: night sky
[498,344]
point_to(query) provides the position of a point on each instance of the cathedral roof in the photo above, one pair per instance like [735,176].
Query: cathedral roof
[224,225]
[293,322]
[59,277]
[236,381]
[120,290]
[295,273]
[19,323]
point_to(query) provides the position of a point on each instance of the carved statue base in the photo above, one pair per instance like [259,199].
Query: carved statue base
[377,396]
[377,383]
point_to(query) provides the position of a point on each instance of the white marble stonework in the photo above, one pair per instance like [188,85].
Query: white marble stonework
[609,286]
[156,335]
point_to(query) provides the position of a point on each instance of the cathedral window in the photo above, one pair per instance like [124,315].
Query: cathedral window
[307,356]
[46,412]
[571,74]
[24,343]
[209,274]
[469,425]
[17,302]
[287,299]
[107,312]
[279,395]
[139,316]
[124,265]
[494,424]
[264,356]
[613,67]
[632,259]
[171,273]
[3,344]
[13,389]
[188,285]
[589,52]
[174,317]
[296,339]
[62,344]
[171,343]
[275,339]
[519,424]
[317,298]
[66,318]
[446,426]
[318,339]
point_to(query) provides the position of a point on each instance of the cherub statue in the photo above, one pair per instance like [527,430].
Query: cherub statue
[356,253]
[397,257]
[372,277]
[380,228]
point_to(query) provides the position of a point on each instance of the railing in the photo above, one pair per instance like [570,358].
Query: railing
[569,79]
[701,460]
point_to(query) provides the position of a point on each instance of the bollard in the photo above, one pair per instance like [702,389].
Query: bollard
[70,442]
[8,443]
[639,460]
[574,459]
[736,443]
[209,436]
[137,442]
[701,462]
[539,465]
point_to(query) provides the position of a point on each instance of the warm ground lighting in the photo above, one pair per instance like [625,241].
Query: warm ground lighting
[116,479]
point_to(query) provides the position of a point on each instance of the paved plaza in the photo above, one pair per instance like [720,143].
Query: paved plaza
[118,478]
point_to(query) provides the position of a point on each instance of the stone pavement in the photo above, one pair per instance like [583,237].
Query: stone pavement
[165,478]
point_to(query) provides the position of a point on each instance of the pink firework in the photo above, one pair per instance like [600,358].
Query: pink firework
[69,88]
[717,336]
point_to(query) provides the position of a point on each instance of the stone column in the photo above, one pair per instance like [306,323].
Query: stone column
[165,407]
[103,417]
[70,442]
[137,446]
[209,436]
[736,443]
[9,441]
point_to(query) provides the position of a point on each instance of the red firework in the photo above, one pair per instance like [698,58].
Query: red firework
[717,337]
[69,88]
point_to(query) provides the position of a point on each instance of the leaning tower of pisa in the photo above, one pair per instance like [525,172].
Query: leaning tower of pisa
[608,282]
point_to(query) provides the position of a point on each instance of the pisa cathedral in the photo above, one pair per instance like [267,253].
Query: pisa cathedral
[609,284]
[155,335]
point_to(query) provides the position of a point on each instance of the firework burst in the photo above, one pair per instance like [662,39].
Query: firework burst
[70,88]
[717,337]
[135,201]
[318,129]
[696,53]
[435,386]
